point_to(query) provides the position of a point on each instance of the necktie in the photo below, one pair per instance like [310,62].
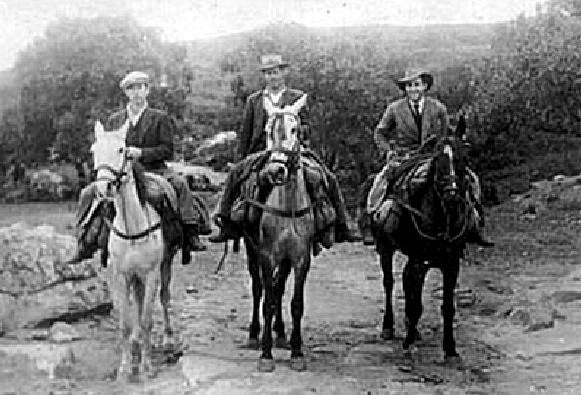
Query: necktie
[417,109]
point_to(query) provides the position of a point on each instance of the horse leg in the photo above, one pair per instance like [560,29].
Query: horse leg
[136,339]
[414,275]
[122,303]
[146,320]
[279,288]
[254,270]
[450,274]
[386,261]
[164,296]
[297,308]
[266,362]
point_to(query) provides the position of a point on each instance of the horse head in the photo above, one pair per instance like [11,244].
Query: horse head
[109,159]
[282,139]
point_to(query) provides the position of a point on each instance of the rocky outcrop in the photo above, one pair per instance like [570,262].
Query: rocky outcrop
[38,287]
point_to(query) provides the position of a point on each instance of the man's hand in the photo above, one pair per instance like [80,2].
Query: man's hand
[133,153]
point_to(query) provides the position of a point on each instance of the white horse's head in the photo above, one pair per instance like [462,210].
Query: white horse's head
[109,156]
[282,126]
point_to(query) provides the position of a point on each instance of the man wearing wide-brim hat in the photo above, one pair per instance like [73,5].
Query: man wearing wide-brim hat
[252,143]
[149,141]
[405,125]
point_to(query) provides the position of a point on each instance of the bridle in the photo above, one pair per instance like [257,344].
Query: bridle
[116,181]
[449,185]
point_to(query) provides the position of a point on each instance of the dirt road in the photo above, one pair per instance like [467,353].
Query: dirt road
[517,315]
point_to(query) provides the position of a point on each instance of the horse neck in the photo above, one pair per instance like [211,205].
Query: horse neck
[291,195]
[131,216]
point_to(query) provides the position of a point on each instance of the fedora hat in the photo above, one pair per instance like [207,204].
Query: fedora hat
[135,77]
[414,73]
[272,61]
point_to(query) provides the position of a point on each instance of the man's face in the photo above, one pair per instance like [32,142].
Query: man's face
[415,89]
[137,93]
[275,77]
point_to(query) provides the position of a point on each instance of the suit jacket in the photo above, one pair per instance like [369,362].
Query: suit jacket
[399,126]
[153,134]
[252,137]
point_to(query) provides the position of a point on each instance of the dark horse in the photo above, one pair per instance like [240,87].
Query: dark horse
[283,239]
[432,232]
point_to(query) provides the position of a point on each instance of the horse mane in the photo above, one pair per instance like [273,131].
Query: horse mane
[140,181]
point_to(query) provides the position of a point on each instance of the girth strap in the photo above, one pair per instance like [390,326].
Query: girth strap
[136,236]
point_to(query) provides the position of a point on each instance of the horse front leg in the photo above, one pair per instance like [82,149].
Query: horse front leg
[279,288]
[146,320]
[122,304]
[450,274]
[165,297]
[254,270]
[266,362]
[297,309]
[414,274]
[386,261]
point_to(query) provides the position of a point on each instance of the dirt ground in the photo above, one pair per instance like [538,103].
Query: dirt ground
[516,324]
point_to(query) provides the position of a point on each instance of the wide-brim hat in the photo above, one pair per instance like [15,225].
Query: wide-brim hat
[412,74]
[272,61]
[135,77]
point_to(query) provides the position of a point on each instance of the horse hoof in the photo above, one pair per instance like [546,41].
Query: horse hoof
[265,365]
[452,358]
[298,364]
[281,342]
[253,344]
[387,334]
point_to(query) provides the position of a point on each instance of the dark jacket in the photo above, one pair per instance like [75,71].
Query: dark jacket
[399,126]
[153,133]
[252,137]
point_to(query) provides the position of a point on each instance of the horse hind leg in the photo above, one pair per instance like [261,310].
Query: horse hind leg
[298,362]
[450,274]
[254,329]
[414,275]
[386,261]
[279,288]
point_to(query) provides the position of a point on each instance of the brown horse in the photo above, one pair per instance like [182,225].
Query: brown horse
[432,232]
[282,241]
[140,253]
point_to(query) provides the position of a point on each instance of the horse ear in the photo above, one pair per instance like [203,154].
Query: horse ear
[461,127]
[99,129]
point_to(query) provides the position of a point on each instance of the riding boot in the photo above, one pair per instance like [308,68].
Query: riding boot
[476,233]
[222,218]
[227,231]
[367,229]
[93,236]
[191,243]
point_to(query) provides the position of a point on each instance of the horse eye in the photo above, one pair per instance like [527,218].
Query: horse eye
[121,150]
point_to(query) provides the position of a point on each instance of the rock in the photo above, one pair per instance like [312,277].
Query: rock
[62,332]
[199,369]
[559,178]
[32,258]
[56,360]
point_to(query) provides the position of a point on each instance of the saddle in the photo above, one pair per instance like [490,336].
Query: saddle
[254,188]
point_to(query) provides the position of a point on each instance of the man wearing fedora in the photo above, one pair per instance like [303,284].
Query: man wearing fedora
[405,126]
[252,143]
[149,140]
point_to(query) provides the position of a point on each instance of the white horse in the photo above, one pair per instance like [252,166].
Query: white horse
[136,248]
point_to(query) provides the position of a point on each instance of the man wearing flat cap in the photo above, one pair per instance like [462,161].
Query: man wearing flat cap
[252,143]
[405,125]
[149,140]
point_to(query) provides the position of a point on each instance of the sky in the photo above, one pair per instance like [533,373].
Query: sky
[22,20]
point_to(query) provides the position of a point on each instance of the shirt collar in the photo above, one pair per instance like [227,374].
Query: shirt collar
[134,118]
[421,104]
[274,97]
